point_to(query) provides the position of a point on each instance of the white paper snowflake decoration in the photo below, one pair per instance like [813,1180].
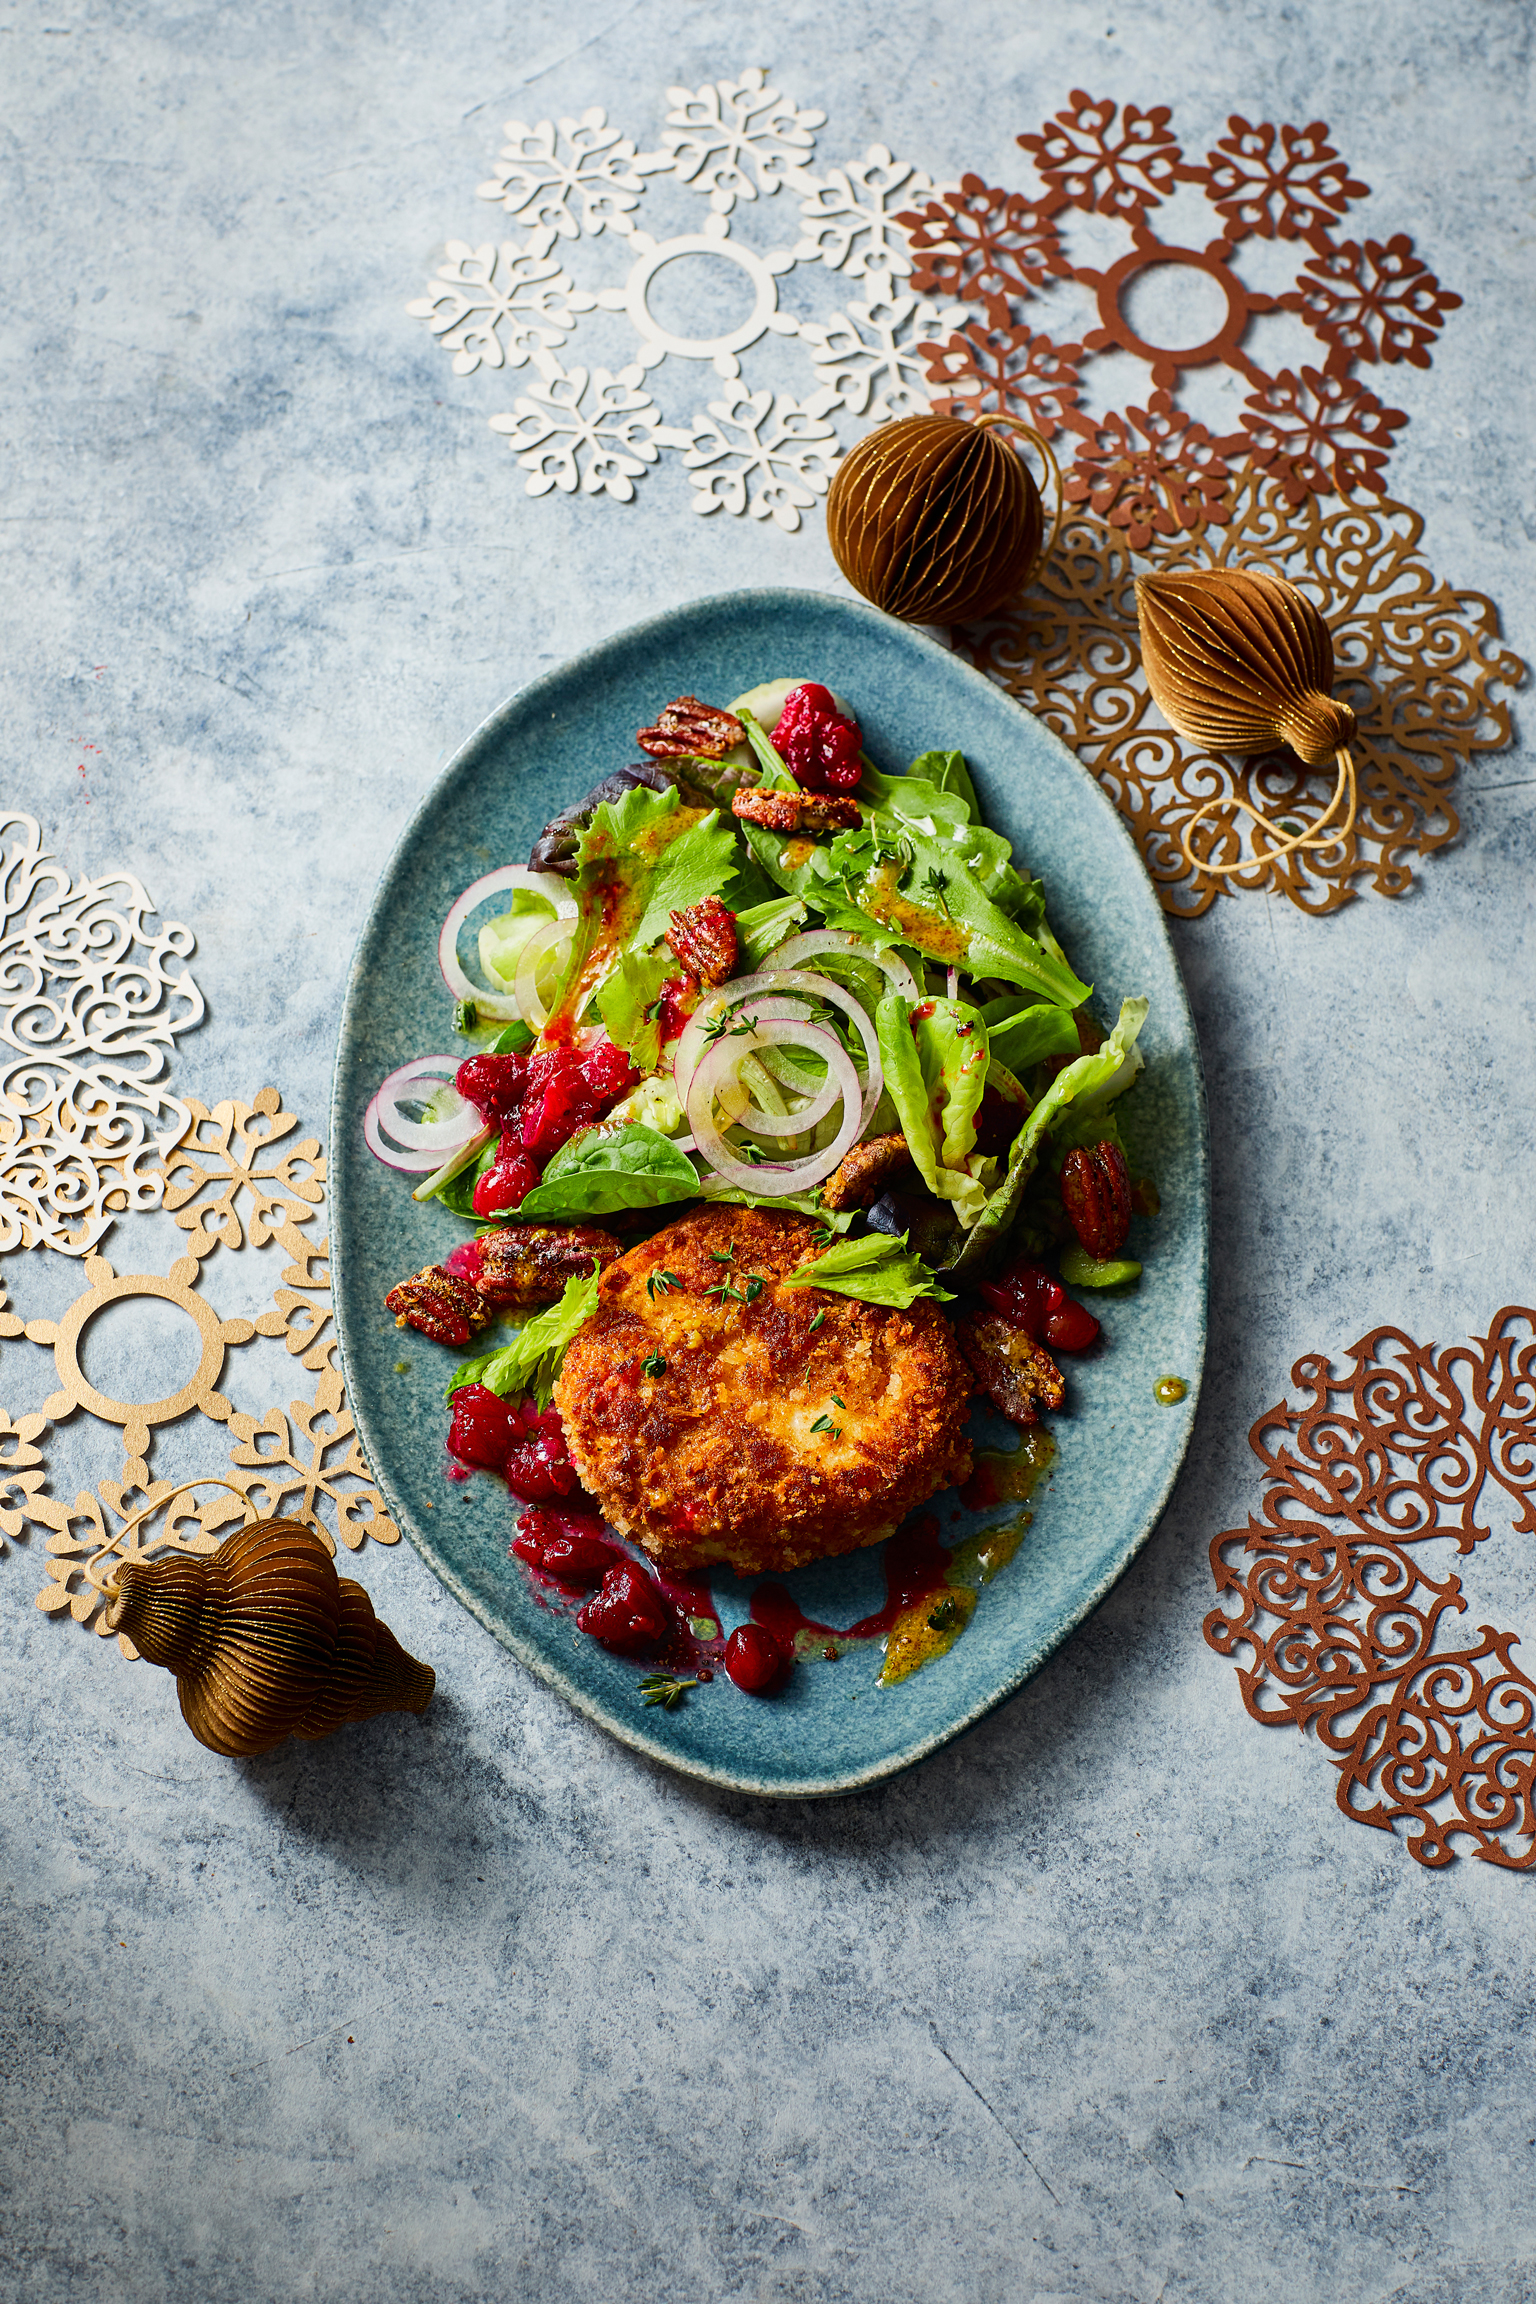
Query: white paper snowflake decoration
[579,178]
[869,357]
[484,295]
[656,341]
[849,218]
[92,998]
[601,445]
[764,454]
[735,138]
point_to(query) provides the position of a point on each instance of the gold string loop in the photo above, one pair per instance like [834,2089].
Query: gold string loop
[1310,838]
[108,1587]
[996,416]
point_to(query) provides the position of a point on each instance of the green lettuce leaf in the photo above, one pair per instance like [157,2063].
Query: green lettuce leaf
[934,1057]
[761,928]
[641,858]
[948,771]
[627,1001]
[1081,1089]
[501,940]
[877,1268]
[531,1362]
[654,1104]
[603,1169]
[647,857]
[940,810]
[1022,1037]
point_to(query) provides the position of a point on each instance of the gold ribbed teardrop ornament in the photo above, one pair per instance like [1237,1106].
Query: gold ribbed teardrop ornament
[937,519]
[1238,660]
[265,1639]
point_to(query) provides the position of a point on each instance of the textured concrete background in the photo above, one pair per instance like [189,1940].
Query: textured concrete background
[1108,2001]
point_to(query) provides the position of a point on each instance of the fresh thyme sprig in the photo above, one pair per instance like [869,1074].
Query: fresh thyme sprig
[663,1281]
[720,1027]
[654,1366]
[661,1688]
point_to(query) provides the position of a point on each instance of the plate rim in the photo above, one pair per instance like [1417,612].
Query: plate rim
[632,1734]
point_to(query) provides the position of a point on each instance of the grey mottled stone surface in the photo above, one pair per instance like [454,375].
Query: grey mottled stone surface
[1106,2002]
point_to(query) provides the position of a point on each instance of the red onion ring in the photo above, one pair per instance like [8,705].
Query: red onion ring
[428,1145]
[547,884]
[799,949]
[772,1179]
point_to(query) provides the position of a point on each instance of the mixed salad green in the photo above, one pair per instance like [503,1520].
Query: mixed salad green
[892,976]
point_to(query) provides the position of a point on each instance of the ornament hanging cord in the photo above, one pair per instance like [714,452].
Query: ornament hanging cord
[995,418]
[1311,837]
[109,1588]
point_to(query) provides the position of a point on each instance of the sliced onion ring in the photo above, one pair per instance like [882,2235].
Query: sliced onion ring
[800,949]
[759,1122]
[528,1004]
[772,1179]
[695,1038]
[769,983]
[423,1135]
[546,884]
[428,1144]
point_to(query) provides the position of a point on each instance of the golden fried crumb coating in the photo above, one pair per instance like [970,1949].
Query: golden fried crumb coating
[786,1424]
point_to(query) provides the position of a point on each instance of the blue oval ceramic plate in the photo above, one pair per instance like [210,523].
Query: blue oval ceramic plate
[1118,1449]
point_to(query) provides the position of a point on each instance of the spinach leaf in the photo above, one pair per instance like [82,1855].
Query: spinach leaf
[597,1171]
[458,1193]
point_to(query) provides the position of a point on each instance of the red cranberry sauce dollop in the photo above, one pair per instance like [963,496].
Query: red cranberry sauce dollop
[628,1614]
[568,1547]
[538,1103]
[818,746]
[525,1444]
[1027,1295]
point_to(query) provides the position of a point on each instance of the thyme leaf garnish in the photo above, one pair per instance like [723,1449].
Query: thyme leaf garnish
[661,1688]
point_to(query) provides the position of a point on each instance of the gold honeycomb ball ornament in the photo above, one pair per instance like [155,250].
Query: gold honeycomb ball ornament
[265,1639]
[1238,660]
[937,519]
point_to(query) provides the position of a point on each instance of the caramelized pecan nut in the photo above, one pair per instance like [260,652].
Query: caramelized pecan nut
[1096,1194]
[523,1265]
[866,1171]
[441,1306]
[1017,1374]
[688,729]
[704,938]
[797,811]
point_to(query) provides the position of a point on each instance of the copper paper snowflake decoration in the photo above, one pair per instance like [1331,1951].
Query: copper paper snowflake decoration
[1152,478]
[1322,430]
[1339,1605]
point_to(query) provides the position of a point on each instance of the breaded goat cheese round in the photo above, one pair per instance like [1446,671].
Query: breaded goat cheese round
[717,1414]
